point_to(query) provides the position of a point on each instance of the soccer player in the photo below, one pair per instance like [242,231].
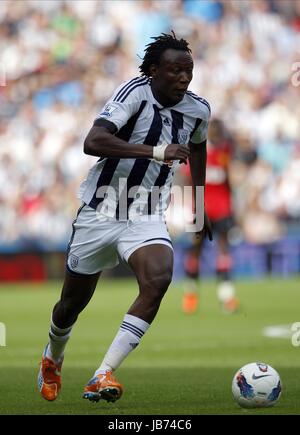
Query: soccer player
[218,205]
[150,125]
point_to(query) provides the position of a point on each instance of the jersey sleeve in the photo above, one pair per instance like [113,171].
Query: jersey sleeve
[118,113]
[202,111]
[119,110]
[200,134]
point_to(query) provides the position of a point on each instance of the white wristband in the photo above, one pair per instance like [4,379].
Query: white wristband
[159,152]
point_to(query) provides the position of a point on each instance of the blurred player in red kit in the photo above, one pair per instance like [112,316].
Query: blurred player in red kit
[218,206]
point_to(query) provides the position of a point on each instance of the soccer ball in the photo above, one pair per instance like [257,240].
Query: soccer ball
[256,385]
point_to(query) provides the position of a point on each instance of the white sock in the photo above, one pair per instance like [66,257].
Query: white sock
[128,337]
[57,343]
[225,291]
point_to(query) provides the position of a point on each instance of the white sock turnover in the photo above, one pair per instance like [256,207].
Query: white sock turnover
[57,343]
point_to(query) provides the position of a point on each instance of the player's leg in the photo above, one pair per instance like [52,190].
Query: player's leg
[191,282]
[91,250]
[76,293]
[82,273]
[153,266]
[226,290]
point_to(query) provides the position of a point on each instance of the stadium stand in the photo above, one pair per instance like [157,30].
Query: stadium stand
[62,59]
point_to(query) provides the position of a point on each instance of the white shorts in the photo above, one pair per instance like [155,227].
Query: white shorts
[96,242]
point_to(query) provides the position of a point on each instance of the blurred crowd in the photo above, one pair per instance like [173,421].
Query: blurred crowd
[61,60]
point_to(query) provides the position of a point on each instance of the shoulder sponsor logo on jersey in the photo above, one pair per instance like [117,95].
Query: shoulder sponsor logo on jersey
[108,110]
[182,136]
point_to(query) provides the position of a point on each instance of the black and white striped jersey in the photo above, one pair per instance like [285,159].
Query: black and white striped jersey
[124,188]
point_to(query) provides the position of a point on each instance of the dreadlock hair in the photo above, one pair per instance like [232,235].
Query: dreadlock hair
[154,50]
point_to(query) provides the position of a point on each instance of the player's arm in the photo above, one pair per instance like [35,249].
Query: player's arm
[197,161]
[102,142]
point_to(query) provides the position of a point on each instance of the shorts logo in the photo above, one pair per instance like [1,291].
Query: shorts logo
[108,110]
[74,261]
[182,136]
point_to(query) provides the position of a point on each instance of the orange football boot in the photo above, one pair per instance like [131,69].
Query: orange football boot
[49,378]
[103,386]
[231,305]
[190,302]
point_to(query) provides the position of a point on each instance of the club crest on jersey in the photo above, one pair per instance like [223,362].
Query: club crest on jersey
[182,136]
[108,110]
[74,261]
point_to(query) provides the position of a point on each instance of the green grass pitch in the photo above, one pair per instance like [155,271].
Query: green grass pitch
[184,364]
